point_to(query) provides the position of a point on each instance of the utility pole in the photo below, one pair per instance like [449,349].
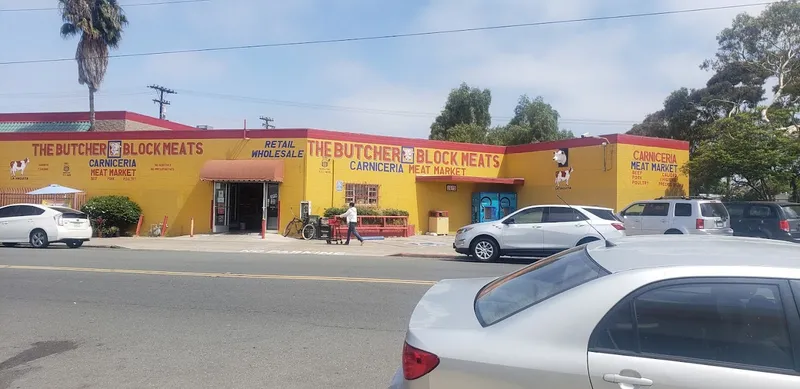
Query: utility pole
[267,120]
[162,114]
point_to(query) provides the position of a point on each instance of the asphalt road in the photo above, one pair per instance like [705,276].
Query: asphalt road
[96,318]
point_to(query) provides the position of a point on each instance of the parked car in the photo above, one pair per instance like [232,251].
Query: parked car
[768,220]
[675,216]
[539,230]
[679,312]
[41,225]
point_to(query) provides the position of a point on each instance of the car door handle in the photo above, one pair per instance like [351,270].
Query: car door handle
[537,227]
[580,225]
[622,379]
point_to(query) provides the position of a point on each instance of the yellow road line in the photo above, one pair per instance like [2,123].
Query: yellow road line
[221,275]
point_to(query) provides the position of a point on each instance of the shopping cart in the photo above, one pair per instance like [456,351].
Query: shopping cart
[335,236]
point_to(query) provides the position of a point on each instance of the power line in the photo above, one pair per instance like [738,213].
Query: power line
[123,5]
[340,108]
[406,35]
[296,104]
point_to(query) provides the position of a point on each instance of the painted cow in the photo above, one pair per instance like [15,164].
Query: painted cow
[563,176]
[19,166]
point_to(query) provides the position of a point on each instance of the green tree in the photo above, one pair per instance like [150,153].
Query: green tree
[100,24]
[465,106]
[767,44]
[533,121]
[757,158]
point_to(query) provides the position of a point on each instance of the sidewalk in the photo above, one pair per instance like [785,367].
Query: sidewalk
[421,246]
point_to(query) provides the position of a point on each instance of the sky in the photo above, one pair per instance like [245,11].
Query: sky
[602,77]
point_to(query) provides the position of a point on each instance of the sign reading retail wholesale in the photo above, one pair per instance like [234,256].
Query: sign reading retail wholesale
[401,159]
[116,158]
[279,148]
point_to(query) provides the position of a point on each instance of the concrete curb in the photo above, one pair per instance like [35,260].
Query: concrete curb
[104,246]
[432,256]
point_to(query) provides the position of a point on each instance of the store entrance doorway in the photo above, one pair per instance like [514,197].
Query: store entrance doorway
[240,206]
[247,206]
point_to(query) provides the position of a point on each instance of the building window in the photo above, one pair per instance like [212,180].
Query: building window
[361,194]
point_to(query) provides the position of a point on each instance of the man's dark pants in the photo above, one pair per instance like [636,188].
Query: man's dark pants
[351,230]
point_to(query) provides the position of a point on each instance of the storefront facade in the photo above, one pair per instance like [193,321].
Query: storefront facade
[228,180]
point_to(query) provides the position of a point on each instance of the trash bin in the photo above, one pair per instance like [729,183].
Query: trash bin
[438,222]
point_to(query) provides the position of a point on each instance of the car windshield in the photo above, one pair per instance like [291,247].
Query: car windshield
[605,214]
[69,213]
[792,211]
[713,210]
[530,285]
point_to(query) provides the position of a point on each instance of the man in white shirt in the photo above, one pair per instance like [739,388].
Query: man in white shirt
[352,220]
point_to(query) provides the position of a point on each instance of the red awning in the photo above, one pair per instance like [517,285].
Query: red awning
[244,170]
[474,180]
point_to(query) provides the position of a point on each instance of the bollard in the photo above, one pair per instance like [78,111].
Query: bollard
[139,225]
[263,228]
[191,228]
[164,228]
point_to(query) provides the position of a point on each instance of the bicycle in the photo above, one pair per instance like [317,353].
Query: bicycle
[299,227]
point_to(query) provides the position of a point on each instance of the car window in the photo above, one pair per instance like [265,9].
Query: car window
[563,215]
[735,210]
[683,209]
[28,210]
[529,216]
[761,212]
[9,211]
[605,214]
[634,210]
[736,323]
[792,211]
[656,209]
[715,209]
[532,284]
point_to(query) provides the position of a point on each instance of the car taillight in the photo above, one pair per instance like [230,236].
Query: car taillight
[618,226]
[59,220]
[417,363]
[784,225]
[700,224]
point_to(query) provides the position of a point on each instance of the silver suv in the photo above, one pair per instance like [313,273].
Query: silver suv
[677,215]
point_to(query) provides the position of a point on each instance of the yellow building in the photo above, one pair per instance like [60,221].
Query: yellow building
[228,179]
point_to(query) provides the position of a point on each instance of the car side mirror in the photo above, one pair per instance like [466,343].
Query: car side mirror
[508,221]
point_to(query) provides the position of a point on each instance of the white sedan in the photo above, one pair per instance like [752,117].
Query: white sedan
[538,231]
[41,225]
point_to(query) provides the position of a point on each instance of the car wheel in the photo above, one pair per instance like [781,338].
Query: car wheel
[9,245]
[74,244]
[673,232]
[38,239]
[485,250]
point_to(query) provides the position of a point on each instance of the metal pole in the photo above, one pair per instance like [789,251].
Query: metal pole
[264,212]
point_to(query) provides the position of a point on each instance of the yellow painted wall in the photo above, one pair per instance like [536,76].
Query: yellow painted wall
[165,178]
[650,172]
[588,184]
[395,168]
[162,176]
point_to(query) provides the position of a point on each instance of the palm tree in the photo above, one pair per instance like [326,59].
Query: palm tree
[100,24]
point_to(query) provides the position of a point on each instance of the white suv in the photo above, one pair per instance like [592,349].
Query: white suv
[538,231]
[677,215]
[41,225]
